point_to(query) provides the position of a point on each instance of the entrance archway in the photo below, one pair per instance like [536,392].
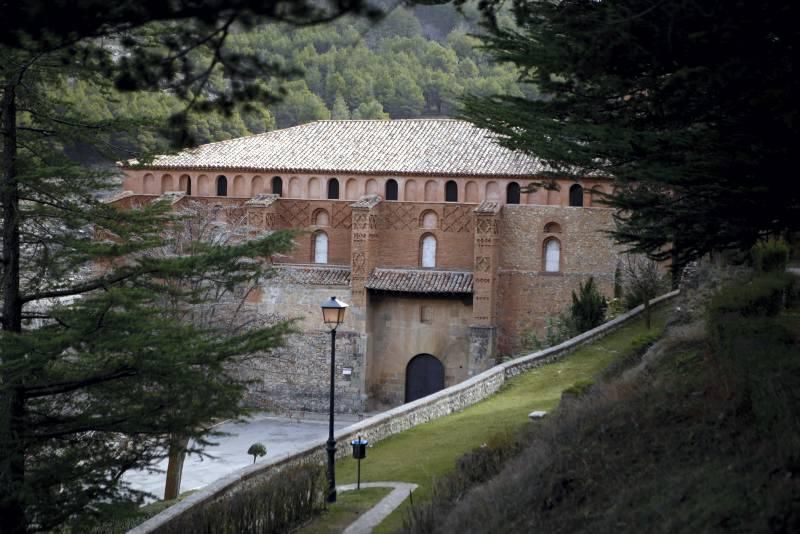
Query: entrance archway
[424,375]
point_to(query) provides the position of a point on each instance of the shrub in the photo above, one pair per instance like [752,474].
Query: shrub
[588,307]
[559,329]
[475,467]
[771,255]
[257,450]
[277,504]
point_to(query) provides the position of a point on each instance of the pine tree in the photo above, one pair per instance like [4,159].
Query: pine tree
[690,105]
[101,360]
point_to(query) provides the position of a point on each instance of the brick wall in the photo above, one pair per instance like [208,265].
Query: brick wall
[527,295]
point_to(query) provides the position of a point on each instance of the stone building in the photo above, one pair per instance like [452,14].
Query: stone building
[422,226]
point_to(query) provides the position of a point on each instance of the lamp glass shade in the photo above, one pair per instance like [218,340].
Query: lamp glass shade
[333,311]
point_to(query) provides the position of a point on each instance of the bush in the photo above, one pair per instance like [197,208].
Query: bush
[475,467]
[588,307]
[559,329]
[769,256]
[277,504]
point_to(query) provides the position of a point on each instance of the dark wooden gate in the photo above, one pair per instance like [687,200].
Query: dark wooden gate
[424,375]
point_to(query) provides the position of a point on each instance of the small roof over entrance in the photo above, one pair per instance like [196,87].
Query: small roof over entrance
[426,281]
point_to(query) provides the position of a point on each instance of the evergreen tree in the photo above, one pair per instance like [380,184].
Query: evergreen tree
[100,367]
[588,307]
[689,104]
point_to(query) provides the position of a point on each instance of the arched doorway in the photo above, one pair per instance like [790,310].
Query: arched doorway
[424,375]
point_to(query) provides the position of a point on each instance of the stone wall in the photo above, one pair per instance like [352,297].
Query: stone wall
[394,421]
[296,377]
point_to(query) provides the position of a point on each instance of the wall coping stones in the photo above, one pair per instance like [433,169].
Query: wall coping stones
[393,421]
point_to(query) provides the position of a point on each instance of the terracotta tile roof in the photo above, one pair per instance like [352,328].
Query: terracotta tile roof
[438,147]
[420,281]
[367,201]
[262,199]
[488,206]
[317,275]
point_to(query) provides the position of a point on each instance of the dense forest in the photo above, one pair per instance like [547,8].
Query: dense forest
[413,63]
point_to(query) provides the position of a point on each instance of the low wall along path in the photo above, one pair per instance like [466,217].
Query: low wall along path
[394,421]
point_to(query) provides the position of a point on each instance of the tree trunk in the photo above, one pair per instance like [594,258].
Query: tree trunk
[12,403]
[177,454]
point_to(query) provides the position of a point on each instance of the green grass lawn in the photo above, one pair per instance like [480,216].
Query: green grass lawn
[421,454]
[348,507]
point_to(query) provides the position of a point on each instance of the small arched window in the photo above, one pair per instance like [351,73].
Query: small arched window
[429,220]
[428,251]
[451,191]
[320,246]
[552,255]
[576,196]
[333,188]
[512,193]
[277,186]
[185,184]
[222,186]
[391,189]
[552,228]
[320,218]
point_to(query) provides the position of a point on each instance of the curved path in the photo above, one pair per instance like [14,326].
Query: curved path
[372,517]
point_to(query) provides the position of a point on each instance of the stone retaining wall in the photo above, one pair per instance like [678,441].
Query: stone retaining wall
[394,421]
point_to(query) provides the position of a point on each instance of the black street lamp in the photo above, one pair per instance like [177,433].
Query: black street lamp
[332,315]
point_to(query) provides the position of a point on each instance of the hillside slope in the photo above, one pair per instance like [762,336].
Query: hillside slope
[702,436]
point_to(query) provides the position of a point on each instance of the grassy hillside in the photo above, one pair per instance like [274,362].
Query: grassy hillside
[704,436]
[428,452]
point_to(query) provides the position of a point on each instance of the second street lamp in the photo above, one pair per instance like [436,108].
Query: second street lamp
[333,311]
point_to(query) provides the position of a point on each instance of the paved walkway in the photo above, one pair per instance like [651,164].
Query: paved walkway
[372,518]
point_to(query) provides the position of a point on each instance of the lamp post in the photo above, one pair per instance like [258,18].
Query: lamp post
[332,315]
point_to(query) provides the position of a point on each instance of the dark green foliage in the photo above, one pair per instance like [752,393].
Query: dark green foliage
[770,255]
[279,504]
[257,449]
[689,104]
[557,330]
[588,307]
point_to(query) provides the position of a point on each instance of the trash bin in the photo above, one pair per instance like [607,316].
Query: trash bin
[359,448]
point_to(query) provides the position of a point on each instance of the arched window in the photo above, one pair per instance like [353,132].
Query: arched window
[277,186]
[333,188]
[391,189]
[351,189]
[430,191]
[471,191]
[552,255]
[256,186]
[222,186]
[320,218]
[576,196]
[429,220]
[166,183]
[185,184]
[552,228]
[320,245]
[149,184]
[512,193]
[451,191]
[428,251]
